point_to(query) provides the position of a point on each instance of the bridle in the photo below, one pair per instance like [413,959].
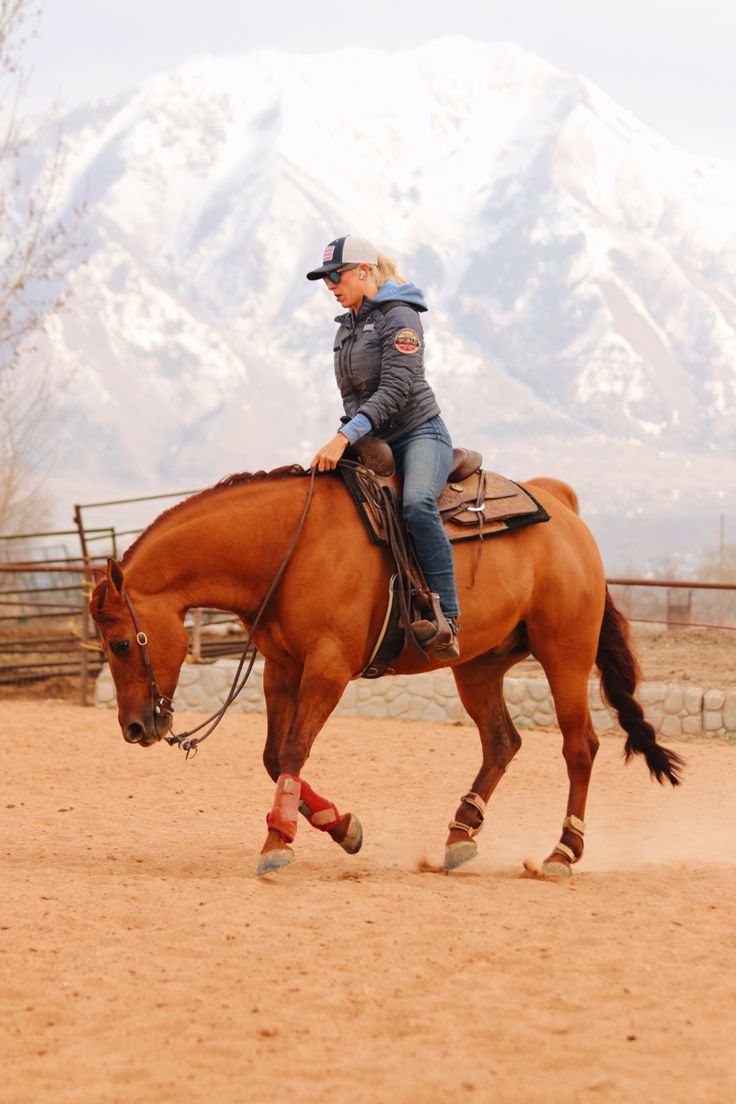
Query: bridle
[162,707]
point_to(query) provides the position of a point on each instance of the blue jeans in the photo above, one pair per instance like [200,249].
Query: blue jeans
[424,458]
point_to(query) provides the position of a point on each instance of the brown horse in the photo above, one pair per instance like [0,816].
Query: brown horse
[540,590]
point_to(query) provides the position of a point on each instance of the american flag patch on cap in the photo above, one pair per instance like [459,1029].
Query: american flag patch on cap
[328,253]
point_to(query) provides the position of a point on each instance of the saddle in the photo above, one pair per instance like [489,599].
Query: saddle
[473,504]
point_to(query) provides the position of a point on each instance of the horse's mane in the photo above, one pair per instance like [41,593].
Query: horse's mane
[224,484]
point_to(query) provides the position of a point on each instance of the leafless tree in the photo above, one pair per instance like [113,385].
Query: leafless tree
[26,452]
[34,245]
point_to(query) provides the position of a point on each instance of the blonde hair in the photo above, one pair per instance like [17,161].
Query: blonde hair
[385,270]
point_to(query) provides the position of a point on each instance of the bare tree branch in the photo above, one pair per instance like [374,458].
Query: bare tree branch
[33,244]
[26,451]
[34,250]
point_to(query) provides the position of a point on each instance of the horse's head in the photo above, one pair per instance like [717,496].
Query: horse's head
[146,643]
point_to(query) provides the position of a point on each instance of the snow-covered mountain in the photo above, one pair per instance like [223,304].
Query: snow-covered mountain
[580,270]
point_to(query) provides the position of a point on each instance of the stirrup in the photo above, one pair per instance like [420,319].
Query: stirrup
[438,635]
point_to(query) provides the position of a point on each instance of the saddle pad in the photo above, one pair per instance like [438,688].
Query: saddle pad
[486,503]
[503,506]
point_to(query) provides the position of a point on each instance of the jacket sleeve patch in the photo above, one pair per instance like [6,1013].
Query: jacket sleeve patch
[407,341]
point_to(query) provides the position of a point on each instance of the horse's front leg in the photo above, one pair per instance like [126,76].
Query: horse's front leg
[280,689]
[281,681]
[320,688]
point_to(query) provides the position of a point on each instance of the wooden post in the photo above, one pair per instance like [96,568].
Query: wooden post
[722,571]
[85,625]
[197,636]
[679,602]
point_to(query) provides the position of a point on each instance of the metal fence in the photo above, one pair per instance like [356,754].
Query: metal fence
[46,632]
[42,610]
[45,629]
[676,603]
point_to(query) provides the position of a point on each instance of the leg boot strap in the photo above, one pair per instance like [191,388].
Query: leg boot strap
[467,828]
[319,811]
[574,824]
[282,817]
[477,802]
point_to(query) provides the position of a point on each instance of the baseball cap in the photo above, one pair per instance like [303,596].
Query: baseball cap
[344,251]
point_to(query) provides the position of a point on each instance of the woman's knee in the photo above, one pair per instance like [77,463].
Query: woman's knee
[419,506]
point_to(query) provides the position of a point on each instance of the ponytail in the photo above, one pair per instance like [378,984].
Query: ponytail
[385,270]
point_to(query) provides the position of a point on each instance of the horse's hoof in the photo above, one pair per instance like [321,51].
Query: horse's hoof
[552,868]
[353,839]
[274,860]
[457,854]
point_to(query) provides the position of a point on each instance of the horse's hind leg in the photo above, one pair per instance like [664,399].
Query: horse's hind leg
[480,686]
[569,685]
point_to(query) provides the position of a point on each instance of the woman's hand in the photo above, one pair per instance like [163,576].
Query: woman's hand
[326,458]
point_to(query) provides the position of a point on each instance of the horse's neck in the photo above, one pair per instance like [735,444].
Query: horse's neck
[221,553]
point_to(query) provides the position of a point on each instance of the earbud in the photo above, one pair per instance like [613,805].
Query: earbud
[362,276]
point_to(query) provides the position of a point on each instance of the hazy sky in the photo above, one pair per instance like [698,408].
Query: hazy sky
[671,62]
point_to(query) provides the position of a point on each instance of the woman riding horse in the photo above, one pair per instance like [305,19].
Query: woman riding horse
[379,366]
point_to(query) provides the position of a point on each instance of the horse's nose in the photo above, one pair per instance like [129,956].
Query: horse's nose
[134,733]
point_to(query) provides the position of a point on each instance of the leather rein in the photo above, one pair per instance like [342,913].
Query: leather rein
[163,707]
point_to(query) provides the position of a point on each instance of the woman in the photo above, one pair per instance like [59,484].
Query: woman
[379,365]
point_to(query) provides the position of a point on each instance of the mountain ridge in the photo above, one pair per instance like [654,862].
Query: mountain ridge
[579,267]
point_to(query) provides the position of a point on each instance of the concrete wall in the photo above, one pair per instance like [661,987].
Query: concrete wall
[672,710]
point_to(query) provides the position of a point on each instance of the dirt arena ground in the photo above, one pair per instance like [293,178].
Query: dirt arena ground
[143,961]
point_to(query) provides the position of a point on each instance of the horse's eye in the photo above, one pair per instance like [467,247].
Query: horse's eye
[120,647]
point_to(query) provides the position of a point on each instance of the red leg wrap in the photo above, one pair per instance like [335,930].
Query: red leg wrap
[283,815]
[320,812]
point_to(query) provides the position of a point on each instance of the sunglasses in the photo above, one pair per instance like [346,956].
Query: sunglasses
[334,277]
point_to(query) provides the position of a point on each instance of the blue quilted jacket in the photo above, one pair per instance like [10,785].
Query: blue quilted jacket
[379,362]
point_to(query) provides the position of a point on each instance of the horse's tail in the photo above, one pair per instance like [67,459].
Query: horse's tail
[619,676]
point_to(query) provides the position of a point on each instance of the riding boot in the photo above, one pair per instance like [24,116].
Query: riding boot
[439,636]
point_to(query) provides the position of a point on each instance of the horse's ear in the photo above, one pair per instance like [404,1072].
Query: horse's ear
[98,575]
[115,576]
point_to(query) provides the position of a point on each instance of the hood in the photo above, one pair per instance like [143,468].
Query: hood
[401,293]
[388,293]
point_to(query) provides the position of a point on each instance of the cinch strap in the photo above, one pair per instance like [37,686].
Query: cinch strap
[320,812]
[283,815]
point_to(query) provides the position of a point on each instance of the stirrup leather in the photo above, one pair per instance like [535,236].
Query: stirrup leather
[577,827]
[479,805]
